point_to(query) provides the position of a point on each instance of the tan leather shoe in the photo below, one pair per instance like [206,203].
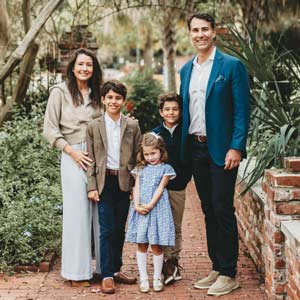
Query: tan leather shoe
[108,286]
[207,281]
[121,277]
[80,283]
[224,285]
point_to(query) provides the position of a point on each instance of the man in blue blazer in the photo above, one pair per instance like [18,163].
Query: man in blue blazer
[215,94]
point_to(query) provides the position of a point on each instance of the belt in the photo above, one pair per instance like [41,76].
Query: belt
[110,172]
[199,138]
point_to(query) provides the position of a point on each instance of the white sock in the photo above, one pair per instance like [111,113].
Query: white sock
[158,261]
[141,258]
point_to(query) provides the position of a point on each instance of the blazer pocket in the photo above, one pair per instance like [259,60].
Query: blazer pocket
[221,82]
[220,78]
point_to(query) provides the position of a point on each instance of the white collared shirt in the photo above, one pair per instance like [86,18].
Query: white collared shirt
[197,92]
[113,142]
[171,130]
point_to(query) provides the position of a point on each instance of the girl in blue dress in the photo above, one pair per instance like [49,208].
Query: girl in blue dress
[150,219]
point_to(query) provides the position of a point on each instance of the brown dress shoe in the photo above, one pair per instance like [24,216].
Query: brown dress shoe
[80,283]
[108,286]
[121,277]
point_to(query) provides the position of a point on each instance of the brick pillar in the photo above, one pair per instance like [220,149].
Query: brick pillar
[78,37]
[282,187]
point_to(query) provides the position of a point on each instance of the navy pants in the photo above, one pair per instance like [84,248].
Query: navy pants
[113,210]
[215,187]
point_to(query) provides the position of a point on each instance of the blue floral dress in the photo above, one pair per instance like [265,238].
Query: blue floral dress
[156,227]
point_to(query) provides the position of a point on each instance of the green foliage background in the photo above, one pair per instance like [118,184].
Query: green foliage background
[143,94]
[30,196]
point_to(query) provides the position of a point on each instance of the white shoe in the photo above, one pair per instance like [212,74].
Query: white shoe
[144,286]
[223,285]
[207,281]
[157,285]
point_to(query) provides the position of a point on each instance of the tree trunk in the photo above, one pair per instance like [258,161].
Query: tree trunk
[169,43]
[148,53]
[29,49]
[26,14]
[36,27]
[28,60]
[26,69]
[4,32]
[4,38]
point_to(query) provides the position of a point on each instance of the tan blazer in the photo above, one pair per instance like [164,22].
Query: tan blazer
[96,139]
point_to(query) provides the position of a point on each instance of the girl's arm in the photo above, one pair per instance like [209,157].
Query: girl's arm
[136,198]
[158,193]
[136,192]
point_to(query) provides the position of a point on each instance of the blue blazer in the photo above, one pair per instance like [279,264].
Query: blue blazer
[227,106]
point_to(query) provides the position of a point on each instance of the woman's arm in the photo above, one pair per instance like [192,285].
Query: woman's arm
[51,129]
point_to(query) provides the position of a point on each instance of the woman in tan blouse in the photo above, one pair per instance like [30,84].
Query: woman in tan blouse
[70,107]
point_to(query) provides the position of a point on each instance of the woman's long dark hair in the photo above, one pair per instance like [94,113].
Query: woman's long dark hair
[94,82]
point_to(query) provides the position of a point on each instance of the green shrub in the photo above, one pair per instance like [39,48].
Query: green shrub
[274,131]
[142,99]
[30,195]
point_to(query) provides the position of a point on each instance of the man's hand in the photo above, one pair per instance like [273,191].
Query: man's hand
[94,195]
[232,159]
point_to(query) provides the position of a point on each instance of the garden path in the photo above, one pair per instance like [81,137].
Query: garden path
[195,263]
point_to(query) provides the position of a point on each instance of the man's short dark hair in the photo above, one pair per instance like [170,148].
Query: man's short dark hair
[115,85]
[168,97]
[205,17]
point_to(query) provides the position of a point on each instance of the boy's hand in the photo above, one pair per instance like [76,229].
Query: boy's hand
[94,195]
[141,209]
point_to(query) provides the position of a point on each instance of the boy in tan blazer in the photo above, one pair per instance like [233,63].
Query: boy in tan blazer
[112,143]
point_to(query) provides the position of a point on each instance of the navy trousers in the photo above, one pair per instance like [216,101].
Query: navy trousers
[215,187]
[113,210]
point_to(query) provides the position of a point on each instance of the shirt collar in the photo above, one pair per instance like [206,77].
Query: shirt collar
[210,58]
[171,130]
[109,121]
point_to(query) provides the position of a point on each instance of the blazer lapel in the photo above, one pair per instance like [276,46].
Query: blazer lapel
[123,126]
[101,126]
[186,81]
[218,61]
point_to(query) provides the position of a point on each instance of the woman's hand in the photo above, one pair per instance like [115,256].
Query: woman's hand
[81,159]
[94,195]
[141,209]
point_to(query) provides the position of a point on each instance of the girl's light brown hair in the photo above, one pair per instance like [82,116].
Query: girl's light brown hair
[151,139]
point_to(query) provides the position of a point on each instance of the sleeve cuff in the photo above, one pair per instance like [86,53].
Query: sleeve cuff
[60,144]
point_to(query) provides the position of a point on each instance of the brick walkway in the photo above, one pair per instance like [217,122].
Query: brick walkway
[194,260]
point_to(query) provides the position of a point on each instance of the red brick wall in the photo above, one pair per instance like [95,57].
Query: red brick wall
[291,230]
[78,37]
[261,213]
[250,216]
